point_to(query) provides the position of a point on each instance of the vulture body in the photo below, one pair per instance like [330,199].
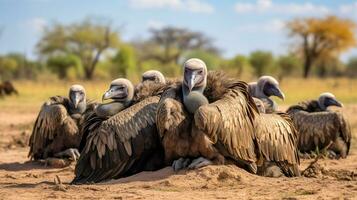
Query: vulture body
[7,88]
[263,89]
[319,128]
[56,129]
[223,129]
[123,144]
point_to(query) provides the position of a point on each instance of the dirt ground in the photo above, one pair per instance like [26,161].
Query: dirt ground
[19,179]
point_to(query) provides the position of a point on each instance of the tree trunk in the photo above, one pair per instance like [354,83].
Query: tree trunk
[307,66]
[88,73]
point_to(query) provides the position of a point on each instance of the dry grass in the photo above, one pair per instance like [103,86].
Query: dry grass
[32,94]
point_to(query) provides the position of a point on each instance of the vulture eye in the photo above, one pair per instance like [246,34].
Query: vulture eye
[200,72]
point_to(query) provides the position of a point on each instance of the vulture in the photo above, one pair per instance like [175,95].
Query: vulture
[56,129]
[7,88]
[263,89]
[212,119]
[320,128]
[121,137]
[153,75]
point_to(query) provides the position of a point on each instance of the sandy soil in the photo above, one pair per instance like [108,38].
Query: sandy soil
[19,179]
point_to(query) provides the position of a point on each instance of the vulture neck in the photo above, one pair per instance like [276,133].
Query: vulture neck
[321,105]
[112,108]
[80,108]
[194,99]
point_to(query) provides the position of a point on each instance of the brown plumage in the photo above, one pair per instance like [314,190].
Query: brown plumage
[123,144]
[277,140]
[7,88]
[318,127]
[56,127]
[222,129]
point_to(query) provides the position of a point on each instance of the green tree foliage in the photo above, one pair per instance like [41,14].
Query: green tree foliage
[124,61]
[62,63]
[321,38]
[166,46]
[288,65]
[352,67]
[87,40]
[238,66]
[211,59]
[7,67]
[15,65]
[262,62]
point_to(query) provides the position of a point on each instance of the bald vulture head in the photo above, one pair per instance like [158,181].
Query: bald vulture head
[153,75]
[120,90]
[327,99]
[268,86]
[194,83]
[195,75]
[77,96]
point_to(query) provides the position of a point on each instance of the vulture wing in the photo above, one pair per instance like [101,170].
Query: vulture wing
[229,123]
[52,129]
[318,129]
[277,141]
[121,145]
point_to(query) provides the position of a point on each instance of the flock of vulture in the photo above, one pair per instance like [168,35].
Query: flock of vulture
[205,118]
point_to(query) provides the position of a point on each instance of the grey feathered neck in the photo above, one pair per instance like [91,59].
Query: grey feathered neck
[112,108]
[80,108]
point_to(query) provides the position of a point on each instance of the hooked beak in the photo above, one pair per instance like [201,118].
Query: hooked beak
[191,82]
[107,95]
[333,102]
[76,100]
[275,91]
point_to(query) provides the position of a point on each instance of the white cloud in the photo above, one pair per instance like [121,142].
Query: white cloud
[268,6]
[272,26]
[36,24]
[194,6]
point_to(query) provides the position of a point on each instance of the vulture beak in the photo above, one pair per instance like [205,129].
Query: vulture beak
[108,94]
[275,91]
[333,102]
[76,100]
[191,81]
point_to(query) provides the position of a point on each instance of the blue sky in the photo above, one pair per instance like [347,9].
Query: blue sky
[237,26]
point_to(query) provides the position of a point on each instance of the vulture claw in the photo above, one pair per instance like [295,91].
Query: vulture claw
[199,162]
[181,163]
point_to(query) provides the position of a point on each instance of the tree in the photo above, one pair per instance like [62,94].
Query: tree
[352,67]
[261,61]
[288,64]
[212,60]
[7,67]
[124,60]
[170,43]
[87,40]
[61,64]
[326,37]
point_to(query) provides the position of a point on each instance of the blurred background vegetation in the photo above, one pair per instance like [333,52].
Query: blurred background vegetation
[90,49]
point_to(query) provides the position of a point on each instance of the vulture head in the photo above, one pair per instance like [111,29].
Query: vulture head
[269,86]
[195,75]
[153,75]
[77,96]
[328,99]
[194,83]
[121,92]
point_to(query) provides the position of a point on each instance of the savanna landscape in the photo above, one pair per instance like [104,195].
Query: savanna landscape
[46,46]
[21,179]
